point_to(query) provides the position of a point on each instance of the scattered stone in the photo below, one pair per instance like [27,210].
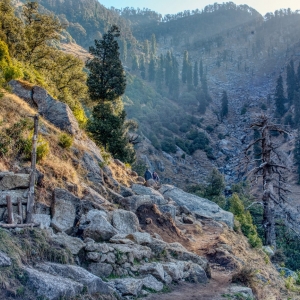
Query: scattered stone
[72,243]
[151,283]
[125,221]
[5,261]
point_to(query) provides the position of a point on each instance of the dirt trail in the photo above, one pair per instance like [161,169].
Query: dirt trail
[213,290]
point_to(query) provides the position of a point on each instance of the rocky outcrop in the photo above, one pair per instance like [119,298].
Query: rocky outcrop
[14,181]
[72,243]
[202,208]
[56,112]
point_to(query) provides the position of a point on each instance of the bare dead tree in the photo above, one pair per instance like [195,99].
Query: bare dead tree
[271,171]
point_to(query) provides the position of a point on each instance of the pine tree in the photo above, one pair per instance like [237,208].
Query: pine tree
[152,68]
[290,81]
[124,50]
[106,80]
[142,66]
[297,154]
[168,67]
[201,69]
[189,77]
[160,74]
[135,63]
[224,111]
[279,97]
[174,83]
[296,102]
[153,44]
[146,49]
[185,66]
[196,77]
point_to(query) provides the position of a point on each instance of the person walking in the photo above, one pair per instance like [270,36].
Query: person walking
[148,175]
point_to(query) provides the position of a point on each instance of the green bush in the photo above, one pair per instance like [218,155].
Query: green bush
[209,129]
[65,141]
[244,110]
[42,149]
[168,145]
[245,220]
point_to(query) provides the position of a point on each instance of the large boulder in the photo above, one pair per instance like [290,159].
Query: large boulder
[5,261]
[65,210]
[42,219]
[128,286]
[136,251]
[156,269]
[56,112]
[201,207]
[14,181]
[143,190]
[141,238]
[99,269]
[72,243]
[153,284]
[93,283]
[174,269]
[125,221]
[195,273]
[51,287]
[90,162]
[95,226]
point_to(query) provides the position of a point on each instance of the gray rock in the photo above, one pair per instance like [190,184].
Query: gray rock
[96,226]
[141,238]
[143,190]
[92,246]
[15,181]
[195,273]
[121,239]
[94,197]
[50,286]
[5,261]
[100,269]
[134,202]
[171,209]
[90,162]
[287,272]
[244,291]
[65,209]
[129,286]
[125,191]
[151,283]
[43,220]
[202,208]
[93,256]
[174,269]
[14,194]
[156,269]
[137,251]
[93,283]
[72,243]
[150,183]
[108,258]
[125,221]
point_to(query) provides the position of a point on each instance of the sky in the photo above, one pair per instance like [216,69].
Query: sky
[174,6]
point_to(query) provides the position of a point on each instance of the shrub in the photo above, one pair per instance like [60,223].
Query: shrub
[244,110]
[209,129]
[245,220]
[12,72]
[65,140]
[168,145]
[42,149]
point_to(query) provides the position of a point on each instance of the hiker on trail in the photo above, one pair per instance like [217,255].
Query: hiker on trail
[155,177]
[148,175]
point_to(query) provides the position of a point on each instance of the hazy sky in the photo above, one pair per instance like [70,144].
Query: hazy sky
[174,6]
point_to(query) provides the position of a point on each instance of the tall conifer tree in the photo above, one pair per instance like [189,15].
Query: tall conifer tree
[279,98]
[196,77]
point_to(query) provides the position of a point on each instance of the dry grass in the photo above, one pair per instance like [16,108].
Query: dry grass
[122,175]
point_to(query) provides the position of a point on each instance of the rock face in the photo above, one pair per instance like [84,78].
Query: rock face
[125,221]
[14,194]
[5,261]
[154,195]
[56,112]
[64,210]
[201,207]
[129,286]
[14,181]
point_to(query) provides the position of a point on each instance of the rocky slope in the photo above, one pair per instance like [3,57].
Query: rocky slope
[104,235]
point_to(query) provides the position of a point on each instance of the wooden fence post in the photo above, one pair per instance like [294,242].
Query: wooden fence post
[30,202]
[9,210]
[20,209]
